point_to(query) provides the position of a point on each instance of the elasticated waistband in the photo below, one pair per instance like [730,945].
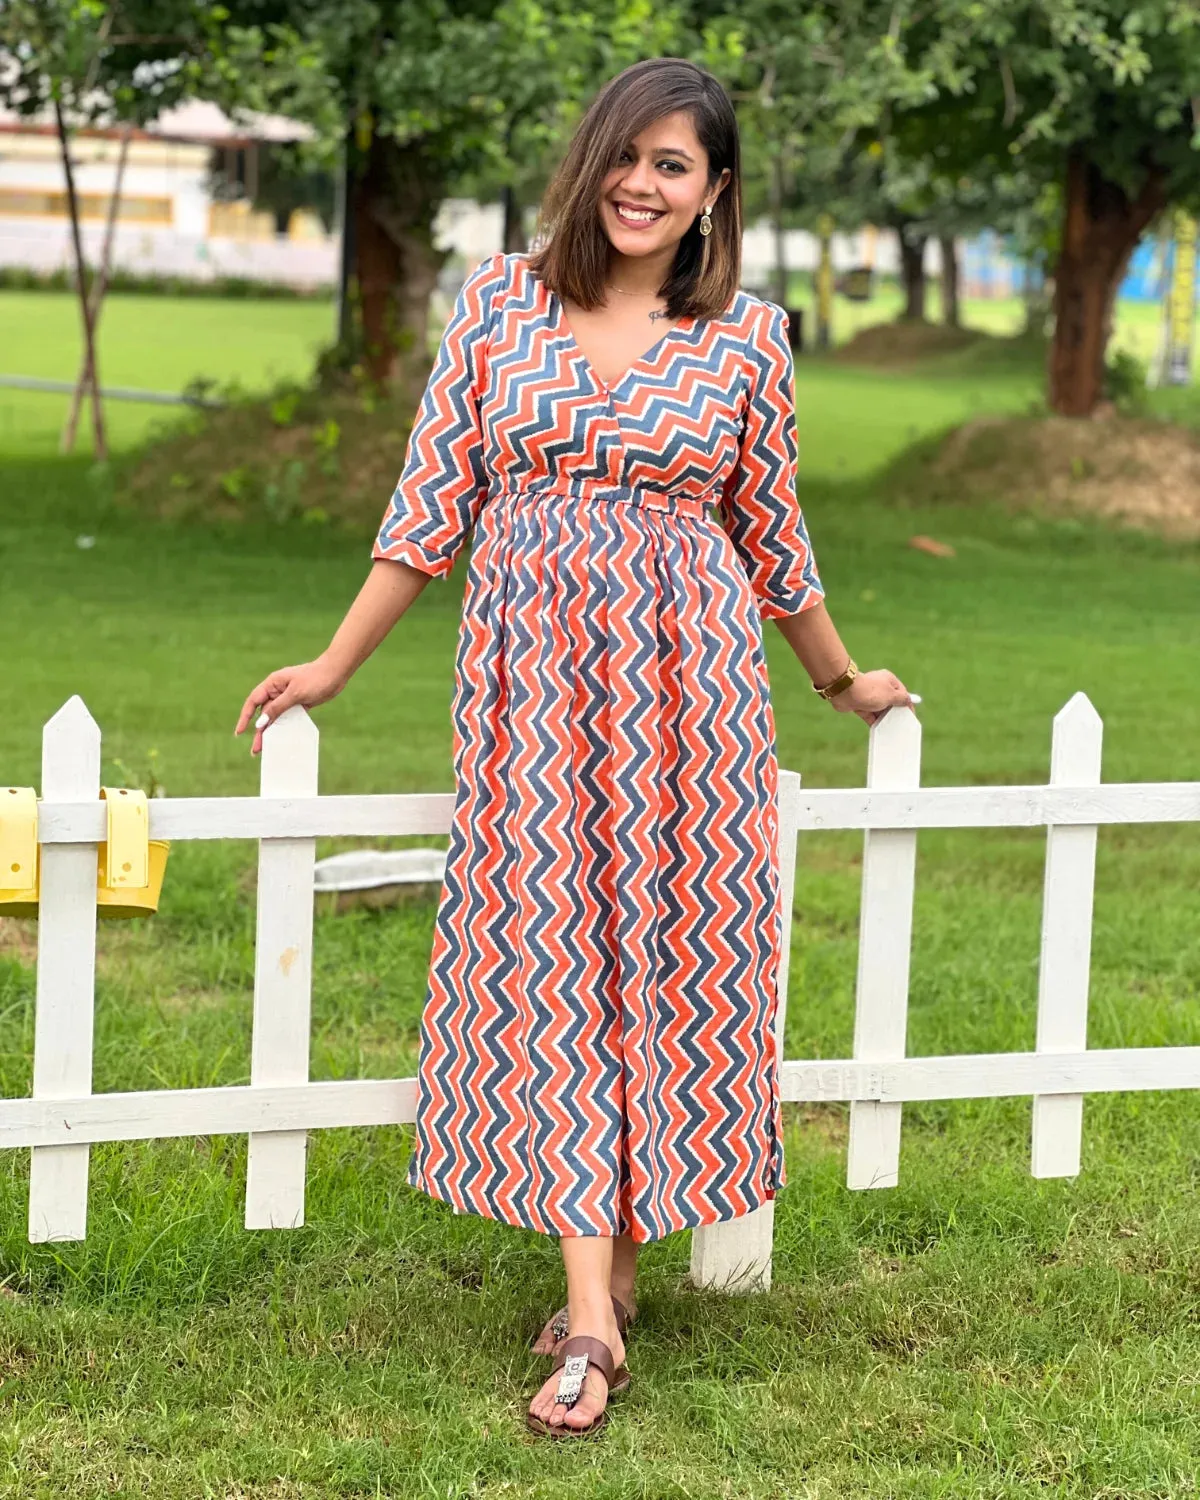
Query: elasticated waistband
[621,494]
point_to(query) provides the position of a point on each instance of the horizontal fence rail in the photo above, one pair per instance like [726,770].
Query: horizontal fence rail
[63,1118]
[376,815]
[109,392]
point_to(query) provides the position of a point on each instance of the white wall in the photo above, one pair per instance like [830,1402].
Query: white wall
[153,169]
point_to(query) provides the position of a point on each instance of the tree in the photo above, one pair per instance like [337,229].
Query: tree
[417,96]
[1097,99]
[812,86]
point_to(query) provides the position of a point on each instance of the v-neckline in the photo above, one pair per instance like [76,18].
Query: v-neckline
[564,328]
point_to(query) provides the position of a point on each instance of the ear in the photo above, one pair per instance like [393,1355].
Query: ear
[720,185]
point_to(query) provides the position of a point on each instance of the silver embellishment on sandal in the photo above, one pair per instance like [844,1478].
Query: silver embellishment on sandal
[571,1381]
[560,1326]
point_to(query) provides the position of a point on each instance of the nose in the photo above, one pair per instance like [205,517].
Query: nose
[639,178]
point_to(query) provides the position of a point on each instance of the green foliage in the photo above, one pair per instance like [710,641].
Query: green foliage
[283,496]
[283,407]
[1125,381]
[142,772]
[100,61]
[1034,79]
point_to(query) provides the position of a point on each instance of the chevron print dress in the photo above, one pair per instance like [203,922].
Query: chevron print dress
[596,1053]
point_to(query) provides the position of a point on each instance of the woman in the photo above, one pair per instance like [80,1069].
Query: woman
[596,1055]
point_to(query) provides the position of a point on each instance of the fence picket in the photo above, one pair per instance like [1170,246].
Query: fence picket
[736,1255]
[885,940]
[1065,967]
[66,975]
[275,1170]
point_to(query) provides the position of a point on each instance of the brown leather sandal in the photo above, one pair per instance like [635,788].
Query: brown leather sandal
[573,1358]
[560,1328]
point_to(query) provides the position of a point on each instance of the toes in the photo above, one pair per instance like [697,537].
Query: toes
[585,1410]
[544,1405]
[546,1342]
[591,1403]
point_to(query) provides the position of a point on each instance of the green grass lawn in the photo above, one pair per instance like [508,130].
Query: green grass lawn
[149,343]
[971,1333]
[161,343]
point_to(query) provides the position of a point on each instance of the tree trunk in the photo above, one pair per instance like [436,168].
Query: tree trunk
[912,274]
[949,280]
[346,256]
[394,197]
[99,288]
[514,227]
[91,374]
[779,275]
[1101,227]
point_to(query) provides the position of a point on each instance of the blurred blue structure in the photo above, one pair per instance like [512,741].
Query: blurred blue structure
[990,269]
[1146,278]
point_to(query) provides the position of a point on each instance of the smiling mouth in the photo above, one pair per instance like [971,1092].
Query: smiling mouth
[631,215]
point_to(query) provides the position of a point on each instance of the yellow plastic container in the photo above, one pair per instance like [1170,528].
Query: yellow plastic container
[132,901]
[18,851]
[129,865]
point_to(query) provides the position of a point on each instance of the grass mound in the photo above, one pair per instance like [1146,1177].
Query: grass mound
[901,344]
[330,457]
[1132,470]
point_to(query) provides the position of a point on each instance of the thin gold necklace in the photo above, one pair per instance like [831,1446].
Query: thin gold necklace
[626,293]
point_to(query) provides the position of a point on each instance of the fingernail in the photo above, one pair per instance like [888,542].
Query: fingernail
[262,721]
[915,697]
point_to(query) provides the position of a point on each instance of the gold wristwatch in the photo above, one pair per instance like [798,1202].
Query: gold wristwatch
[839,684]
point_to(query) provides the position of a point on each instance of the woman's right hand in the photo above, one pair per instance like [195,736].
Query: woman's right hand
[310,683]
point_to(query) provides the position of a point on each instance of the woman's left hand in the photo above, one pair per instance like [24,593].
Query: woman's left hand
[871,694]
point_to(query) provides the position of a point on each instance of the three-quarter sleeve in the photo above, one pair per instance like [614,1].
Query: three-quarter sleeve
[759,509]
[444,480]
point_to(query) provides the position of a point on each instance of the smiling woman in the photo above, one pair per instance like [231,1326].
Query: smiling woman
[655,156]
[613,420]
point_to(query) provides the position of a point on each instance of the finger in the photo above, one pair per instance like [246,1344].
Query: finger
[273,709]
[263,693]
[257,695]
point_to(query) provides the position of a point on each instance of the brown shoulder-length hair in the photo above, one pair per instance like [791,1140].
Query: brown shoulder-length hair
[573,249]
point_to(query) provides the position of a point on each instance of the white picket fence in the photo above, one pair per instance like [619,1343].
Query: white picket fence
[280,1104]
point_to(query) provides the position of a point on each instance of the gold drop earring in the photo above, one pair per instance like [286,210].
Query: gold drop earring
[705,223]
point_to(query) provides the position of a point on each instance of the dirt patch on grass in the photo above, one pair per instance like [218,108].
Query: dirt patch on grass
[18,939]
[323,457]
[900,345]
[1131,470]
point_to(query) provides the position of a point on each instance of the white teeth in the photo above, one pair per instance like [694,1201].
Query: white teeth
[642,215]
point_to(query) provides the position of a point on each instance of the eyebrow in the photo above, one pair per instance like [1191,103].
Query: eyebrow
[673,151]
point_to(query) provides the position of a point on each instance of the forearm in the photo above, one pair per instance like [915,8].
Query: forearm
[389,589]
[813,637]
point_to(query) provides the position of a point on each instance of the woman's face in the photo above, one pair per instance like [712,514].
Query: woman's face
[652,197]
